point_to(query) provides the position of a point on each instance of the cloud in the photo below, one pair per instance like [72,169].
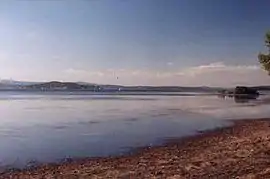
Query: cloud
[219,74]
[3,56]
[32,34]
[170,63]
[219,67]
[78,72]
[214,74]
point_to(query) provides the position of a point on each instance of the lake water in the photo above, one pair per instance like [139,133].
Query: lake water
[48,127]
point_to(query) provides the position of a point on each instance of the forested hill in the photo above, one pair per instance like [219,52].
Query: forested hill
[66,86]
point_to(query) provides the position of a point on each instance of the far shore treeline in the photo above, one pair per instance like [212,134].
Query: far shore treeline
[80,86]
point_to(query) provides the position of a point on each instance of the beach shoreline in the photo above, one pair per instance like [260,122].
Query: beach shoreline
[241,150]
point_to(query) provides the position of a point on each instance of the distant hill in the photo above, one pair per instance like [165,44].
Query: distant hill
[83,86]
[168,89]
[11,84]
[56,85]
[7,86]
[16,83]
[262,88]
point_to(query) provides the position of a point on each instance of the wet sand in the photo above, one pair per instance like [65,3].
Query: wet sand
[238,151]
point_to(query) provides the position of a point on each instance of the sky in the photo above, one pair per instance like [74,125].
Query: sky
[134,42]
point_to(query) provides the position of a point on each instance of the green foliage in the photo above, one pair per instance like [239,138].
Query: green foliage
[267,40]
[264,59]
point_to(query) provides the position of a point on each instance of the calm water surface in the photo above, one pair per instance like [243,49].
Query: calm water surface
[48,127]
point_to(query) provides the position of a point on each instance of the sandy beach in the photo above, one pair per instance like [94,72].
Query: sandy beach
[241,150]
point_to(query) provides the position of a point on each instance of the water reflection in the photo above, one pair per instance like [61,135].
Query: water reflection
[245,99]
[240,98]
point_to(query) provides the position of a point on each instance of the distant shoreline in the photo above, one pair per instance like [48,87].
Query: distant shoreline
[242,149]
[92,87]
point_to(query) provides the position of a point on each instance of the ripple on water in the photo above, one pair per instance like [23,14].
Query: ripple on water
[12,133]
[60,127]
[133,119]
[89,122]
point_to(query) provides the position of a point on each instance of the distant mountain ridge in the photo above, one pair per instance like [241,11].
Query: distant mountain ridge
[56,85]
[84,86]
[14,83]
[261,88]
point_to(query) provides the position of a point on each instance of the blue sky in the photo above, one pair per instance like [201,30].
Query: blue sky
[144,42]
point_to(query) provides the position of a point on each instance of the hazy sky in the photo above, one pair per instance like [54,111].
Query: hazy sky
[143,42]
